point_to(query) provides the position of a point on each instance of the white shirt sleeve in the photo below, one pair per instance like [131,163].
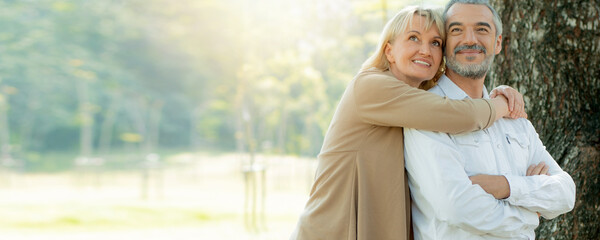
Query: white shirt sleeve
[549,195]
[436,172]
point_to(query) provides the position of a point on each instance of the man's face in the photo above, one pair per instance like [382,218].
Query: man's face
[471,43]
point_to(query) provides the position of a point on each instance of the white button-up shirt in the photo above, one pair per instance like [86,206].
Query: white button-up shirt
[446,205]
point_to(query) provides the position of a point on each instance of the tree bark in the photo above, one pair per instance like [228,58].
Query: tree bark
[551,54]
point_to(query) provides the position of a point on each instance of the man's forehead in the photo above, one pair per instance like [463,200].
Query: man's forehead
[469,13]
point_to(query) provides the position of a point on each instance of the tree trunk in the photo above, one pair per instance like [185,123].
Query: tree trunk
[86,119]
[4,129]
[155,114]
[110,117]
[551,54]
[136,108]
[195,117]
[26,126]
[281,130]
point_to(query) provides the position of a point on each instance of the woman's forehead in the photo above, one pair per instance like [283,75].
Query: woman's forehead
[422,25]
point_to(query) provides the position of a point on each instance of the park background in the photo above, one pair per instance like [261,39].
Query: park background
[201,119]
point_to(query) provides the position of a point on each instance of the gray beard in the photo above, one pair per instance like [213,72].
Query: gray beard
[472,71]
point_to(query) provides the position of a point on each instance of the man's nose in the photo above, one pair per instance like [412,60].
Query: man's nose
[470,38]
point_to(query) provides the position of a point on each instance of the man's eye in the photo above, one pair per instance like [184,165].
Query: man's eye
[482,30]
[455,30]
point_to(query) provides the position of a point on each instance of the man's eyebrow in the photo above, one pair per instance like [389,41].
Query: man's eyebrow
[483,24]
[452,24]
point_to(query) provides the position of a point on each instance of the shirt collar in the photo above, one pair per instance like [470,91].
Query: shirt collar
[452,91]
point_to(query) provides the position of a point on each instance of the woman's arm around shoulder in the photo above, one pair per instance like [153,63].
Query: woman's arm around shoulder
[382,99]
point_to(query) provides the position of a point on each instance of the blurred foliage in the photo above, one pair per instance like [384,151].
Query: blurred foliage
[210,74]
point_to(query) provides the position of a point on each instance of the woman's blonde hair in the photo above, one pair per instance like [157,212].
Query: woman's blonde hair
[398,25]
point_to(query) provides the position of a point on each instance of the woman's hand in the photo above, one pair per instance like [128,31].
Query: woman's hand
[496,185]
[516,104]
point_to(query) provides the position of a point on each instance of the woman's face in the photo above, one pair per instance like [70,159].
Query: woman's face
[415,55]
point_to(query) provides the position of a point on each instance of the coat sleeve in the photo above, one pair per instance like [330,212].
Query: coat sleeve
[386,101]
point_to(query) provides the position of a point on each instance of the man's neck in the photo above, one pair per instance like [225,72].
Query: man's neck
[472,87]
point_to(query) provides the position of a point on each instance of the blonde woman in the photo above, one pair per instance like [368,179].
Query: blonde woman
[360,189]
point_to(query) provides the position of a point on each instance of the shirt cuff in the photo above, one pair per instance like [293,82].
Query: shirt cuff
[518,188]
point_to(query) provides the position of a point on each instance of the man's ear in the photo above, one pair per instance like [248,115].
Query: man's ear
[498,44]
[388,53]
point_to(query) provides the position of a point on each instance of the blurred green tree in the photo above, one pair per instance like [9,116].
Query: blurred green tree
[77,76]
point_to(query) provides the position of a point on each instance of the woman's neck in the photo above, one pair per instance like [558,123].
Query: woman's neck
[410,81]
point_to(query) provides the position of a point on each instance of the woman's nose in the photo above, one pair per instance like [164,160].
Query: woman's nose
[425,49]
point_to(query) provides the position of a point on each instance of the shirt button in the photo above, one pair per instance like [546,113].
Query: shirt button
[498,146]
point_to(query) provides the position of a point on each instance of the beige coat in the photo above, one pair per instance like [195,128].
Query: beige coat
[360,189]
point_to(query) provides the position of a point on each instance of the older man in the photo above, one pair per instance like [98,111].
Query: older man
[505,203]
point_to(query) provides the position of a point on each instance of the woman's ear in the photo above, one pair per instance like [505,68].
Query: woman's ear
[388,53]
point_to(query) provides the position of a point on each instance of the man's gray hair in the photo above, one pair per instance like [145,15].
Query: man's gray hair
[497,20]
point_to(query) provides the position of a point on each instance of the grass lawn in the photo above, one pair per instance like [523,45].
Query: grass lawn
[203,197]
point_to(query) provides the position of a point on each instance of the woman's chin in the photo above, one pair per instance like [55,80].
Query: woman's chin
[425,76]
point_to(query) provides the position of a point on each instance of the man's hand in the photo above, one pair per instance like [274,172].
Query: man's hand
[497,185]
[539,169]
[516,104]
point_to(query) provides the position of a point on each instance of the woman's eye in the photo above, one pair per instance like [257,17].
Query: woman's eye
[413,38]
[437,43]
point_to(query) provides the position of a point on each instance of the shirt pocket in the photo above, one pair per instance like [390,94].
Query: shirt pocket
[519,146]
[477,156]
